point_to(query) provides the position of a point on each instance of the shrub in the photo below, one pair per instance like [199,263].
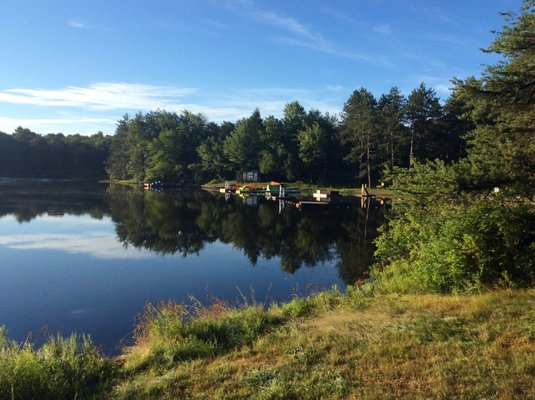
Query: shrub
[467,249]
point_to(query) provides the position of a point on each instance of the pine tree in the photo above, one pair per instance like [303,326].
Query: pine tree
[360,132]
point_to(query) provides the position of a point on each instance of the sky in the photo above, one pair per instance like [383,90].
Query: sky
[78,66]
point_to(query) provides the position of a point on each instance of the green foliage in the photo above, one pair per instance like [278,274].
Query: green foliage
[174,333]
[462,249]
[423,113]
[242,146]
[360,131]
[466,226]
[30,155]
[394,134]
[299,307]
[302,145]
[501,103]
[59,369]
[441,240]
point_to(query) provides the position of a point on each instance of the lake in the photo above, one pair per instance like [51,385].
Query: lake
[86,257]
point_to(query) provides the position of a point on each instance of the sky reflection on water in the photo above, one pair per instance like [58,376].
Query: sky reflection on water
[63,270]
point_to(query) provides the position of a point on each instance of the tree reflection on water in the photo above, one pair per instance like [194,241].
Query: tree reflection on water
[182,222]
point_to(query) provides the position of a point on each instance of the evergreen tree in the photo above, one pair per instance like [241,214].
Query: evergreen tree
[391,114]
[423,113]
[294,119]
[213,162]
[272,157]
[501,151]
[471,224]
[360,131]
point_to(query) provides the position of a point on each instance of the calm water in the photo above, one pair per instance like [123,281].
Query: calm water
[86,257]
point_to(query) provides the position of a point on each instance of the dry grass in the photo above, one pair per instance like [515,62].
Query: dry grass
[396,347]
[330,346]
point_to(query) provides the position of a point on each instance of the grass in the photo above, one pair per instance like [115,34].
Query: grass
[60,369]
[329,346]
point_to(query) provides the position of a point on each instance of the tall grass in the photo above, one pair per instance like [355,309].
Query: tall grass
[348,345]
[330,345]
[171,332]
[70,368]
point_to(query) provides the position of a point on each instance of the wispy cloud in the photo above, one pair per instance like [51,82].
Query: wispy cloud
[297,33]
[291,25]
[78,24]
[335,88]
[53,121]
[433,12]
[100,105]
[442,88]
[383,29]
[455,40]
[105,96]
[440,84]
[337,14]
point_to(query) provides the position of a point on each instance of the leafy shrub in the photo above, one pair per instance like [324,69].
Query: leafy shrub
[466,249]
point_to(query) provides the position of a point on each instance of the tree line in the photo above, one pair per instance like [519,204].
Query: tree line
[369,136]
[28,154]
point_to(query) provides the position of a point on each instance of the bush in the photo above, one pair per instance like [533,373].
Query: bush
[461,251]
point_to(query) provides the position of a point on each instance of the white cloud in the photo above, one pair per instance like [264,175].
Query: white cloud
[290,24]
[383,29]
[334,88]
[97,244]
[301,35]
[100,105]
[69,125]
[104,96]
[53,121]
[337,14]
[442,89]
[78,24]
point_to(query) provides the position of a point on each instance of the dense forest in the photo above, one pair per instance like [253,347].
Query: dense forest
[28,154]
[370,135]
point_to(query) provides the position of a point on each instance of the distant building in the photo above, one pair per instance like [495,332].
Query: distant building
[250,176]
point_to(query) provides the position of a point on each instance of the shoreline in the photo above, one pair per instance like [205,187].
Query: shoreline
[330,345]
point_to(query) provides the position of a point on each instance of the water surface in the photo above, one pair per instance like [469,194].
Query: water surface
[86,257]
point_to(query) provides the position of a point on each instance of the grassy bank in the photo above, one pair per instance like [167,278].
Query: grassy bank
[328,346]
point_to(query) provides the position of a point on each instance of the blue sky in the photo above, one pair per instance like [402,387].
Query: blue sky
[77,66]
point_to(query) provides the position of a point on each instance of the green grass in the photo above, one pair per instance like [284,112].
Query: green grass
[328,346]
[60,369]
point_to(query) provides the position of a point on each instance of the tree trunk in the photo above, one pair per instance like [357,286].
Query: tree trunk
[391,148]
[411,152]
[368,162]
